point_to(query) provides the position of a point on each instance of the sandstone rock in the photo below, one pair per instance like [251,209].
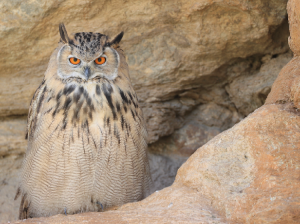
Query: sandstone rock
[250,172]
[249,91]
[216,110]
[9,183]
[163,170]
[12,136]
[294,39]
[282,87]
[202,124]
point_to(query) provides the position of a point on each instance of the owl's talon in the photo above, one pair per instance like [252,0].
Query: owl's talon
[98,203]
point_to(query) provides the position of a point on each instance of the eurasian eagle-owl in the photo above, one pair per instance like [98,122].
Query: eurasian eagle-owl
[86,134]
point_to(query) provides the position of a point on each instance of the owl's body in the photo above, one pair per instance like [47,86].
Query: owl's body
[86,134]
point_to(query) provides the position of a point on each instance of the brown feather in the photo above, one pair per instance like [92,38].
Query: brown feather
[24,207]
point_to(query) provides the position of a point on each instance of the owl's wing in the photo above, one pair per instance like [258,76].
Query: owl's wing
[35,105]
[24,207]
[34,108]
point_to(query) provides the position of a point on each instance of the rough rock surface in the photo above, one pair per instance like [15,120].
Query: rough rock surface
[9,181]
[12,138]
[198,67]
[250,173]
[241,97]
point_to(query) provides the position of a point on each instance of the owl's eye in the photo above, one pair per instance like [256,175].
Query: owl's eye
[74,61]
[100,60]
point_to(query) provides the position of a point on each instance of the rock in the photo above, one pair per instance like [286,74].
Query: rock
[12,148]
[9,183]
[163,169]
[249,91]
[250,172]
[202,124]
[12,136]
[285,87]
[294,39]
[218,109]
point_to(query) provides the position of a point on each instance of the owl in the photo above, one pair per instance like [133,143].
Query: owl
[86,134]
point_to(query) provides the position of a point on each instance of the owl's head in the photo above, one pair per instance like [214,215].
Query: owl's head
[87,56]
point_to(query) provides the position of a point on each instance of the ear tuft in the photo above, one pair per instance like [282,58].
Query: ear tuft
[115,42]
[63,33]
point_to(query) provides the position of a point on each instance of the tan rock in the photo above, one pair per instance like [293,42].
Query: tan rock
[202,124]
[249,91]
[220,109]
[250,172]
[281,89]
[12,136]
[294,40]
[9,183]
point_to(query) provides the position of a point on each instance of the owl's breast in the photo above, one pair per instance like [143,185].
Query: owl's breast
[81,104]
[86,140]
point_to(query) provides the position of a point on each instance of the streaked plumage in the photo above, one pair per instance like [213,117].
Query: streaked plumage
[86,136]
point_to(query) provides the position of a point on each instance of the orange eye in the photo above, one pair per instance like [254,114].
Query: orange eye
[74,61]
[100,60]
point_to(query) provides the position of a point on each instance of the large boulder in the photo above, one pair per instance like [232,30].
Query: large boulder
[250,172]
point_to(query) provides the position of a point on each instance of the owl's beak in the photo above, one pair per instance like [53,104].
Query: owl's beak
[87,72]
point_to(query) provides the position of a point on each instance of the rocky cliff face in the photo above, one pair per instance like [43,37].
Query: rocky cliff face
[198,67]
